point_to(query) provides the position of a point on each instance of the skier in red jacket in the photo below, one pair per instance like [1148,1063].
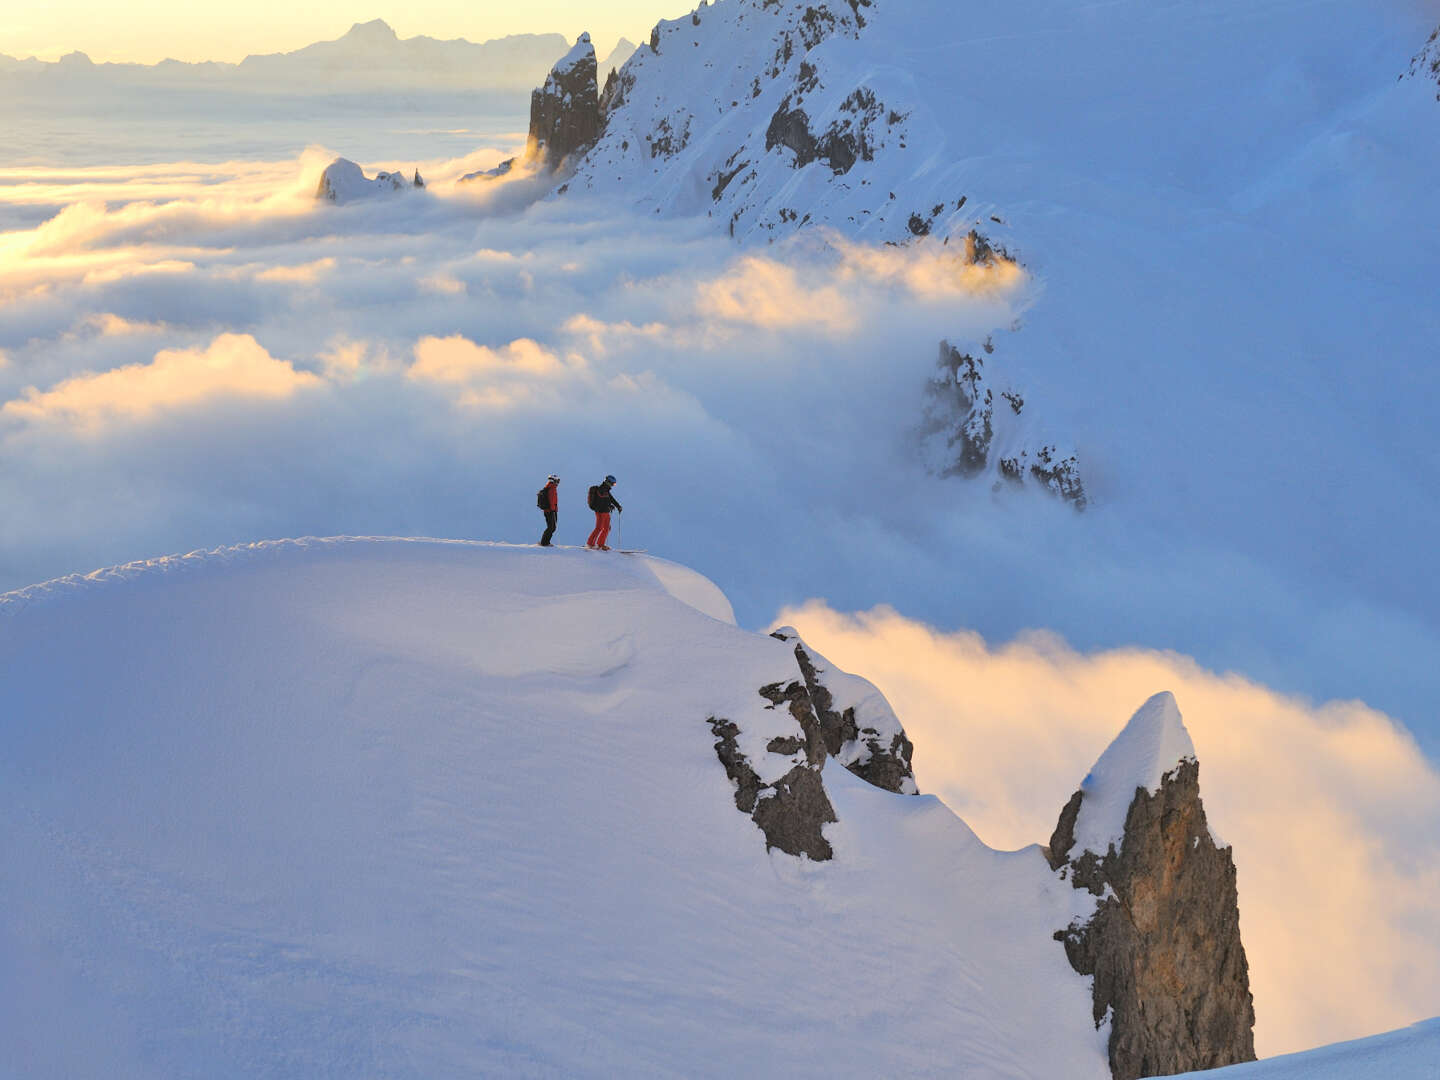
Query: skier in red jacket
[602,502]
[550,494]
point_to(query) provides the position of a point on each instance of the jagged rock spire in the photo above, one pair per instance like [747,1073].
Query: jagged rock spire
[565,112]
[1163,943]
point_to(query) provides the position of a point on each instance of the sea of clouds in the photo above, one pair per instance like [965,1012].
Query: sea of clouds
[196,354]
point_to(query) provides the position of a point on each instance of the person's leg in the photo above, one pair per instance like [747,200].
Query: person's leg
[604,531]
[551,517]
[594,536]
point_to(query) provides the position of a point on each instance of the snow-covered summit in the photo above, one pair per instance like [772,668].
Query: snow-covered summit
[1152,745]
[580,53]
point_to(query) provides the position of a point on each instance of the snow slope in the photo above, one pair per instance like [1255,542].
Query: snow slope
[421,808]
[1412,1053]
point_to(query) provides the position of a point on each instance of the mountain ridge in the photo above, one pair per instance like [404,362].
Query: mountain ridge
[369,53]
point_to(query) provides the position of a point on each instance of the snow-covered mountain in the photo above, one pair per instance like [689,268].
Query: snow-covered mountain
[419,808]
[1025,131]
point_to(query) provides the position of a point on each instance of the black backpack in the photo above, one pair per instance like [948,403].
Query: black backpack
[595,498]
[542,498]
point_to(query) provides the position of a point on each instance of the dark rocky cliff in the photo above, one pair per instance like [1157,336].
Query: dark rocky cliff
[1164,942]
[565,113]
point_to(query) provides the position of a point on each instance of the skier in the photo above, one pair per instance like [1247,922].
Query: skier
[548,499]
[602,502]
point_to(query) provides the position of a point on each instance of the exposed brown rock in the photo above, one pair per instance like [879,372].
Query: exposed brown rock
[791,809]
[877,750]
[1164,942]
[787,799]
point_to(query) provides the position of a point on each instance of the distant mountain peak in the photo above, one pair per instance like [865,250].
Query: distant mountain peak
[374,30]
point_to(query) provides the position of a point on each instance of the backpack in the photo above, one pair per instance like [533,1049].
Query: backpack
[542,498]
[595,498]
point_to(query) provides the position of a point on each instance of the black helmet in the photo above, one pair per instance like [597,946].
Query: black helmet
[552,478]
[610,479]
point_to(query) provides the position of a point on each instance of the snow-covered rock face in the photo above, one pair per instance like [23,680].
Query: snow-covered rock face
[771,115]
[857,727]
[1163,943]
[817,714]
[343,181]
[566,115]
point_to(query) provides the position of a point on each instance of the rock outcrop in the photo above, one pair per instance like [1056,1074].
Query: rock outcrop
[1163,943]
[566,115]
[776,756]
[565,112]
[856,725]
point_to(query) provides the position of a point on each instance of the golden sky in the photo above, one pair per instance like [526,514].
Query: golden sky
[145,31]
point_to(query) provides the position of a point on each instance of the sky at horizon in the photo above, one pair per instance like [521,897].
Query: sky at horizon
[154,30]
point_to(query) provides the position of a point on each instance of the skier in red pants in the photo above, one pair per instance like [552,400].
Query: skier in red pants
[602,502]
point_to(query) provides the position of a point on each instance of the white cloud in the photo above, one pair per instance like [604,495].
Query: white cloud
[301,273]
[1330,809]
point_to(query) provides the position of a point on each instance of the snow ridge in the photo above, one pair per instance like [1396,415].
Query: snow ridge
[417,809]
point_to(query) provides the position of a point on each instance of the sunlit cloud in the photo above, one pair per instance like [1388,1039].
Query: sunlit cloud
[600,336]
[108,324]
[109,274]
[763,292]
[234,365]
[1330,809]
[301,273]
[931,269]
[457,360]
[445,284]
